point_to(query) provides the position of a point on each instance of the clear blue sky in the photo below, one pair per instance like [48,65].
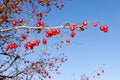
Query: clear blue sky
[95,47]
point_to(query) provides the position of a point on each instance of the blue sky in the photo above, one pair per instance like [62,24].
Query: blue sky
[94,47]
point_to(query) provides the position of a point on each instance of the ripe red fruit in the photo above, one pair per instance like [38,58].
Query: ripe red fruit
[4,17]
[12,5]
[40,23]
[68,40]
[105,30]
[85,23]
[23,36]
[11,46]
[62,5]
[72,34]
[72,27]
[49,33]
[54,31]
[95,24]
[102,28]
[37,41]
[105,27]
[44,41]
[20,20]
[58,31]
[13,22]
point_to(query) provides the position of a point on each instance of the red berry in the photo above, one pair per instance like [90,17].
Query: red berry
[95,24]
[37,41]
[62,5]
[102,28]
[54,31]
[23,36]
[44,41]
[49,33]
[25,45]
[85,23]
[105,27]
[13,22]
[68,40]
[105,30]
[7,47]
[12,5]
[20,20]
[40,23]
[72,34]
[58,31]
[37,24]
[72,27]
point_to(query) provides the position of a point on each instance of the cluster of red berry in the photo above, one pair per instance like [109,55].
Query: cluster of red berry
[52,32]
[12,46]
[31,44]
[104,28]
[14,22]
[40,23]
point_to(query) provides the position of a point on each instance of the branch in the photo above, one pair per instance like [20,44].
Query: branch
[66,25]
[10,64]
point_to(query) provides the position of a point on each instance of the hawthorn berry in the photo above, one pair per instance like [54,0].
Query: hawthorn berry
[37,42]
[85,23]
[12,5]
[14,22]
[23,36]
[72,34]
[20,20]
[40,23]
[72,27]
[54,31]
[44,41]
[49,33]
[58,31]
[4,17]
[11,46]
[95,24]
[68,40]
[104,28]
[62,5]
